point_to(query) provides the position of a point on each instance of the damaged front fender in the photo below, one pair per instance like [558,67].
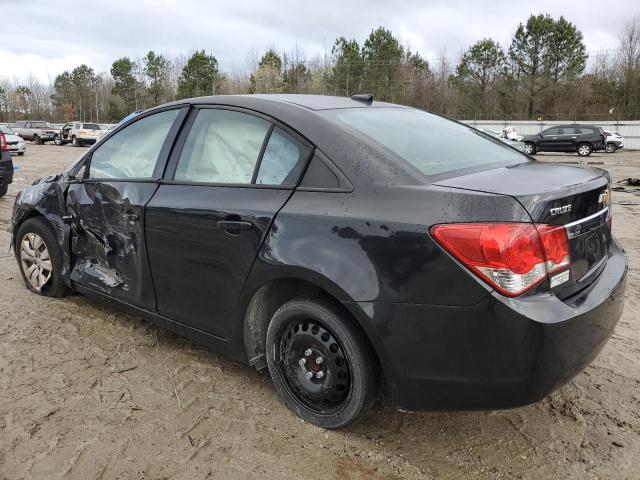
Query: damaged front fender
[45,198]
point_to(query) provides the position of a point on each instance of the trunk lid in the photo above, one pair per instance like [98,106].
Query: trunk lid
[555,194]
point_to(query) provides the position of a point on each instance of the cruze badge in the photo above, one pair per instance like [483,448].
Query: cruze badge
[559,210]
[604,197]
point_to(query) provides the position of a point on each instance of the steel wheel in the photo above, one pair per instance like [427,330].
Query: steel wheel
[314,366]
[35,260]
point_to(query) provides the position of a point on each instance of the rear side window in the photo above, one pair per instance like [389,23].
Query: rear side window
[90,126]
[133,151]
[432,144]
[223,146]
[282,161]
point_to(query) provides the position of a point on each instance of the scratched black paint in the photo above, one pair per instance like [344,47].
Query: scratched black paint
[444,338]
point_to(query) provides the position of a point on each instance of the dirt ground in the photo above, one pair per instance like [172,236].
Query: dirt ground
[89,392]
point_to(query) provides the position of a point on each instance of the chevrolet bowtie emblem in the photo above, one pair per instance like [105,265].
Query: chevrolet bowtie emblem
[605,197]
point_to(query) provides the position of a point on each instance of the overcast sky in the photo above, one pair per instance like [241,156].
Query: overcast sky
[46,37]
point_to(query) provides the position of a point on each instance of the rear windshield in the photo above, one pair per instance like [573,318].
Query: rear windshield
[432,144]
[90,126]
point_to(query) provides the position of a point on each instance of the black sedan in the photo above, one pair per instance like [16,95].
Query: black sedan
[356,249]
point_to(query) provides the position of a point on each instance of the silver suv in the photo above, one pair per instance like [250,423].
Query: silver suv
[37,131]
[78,133]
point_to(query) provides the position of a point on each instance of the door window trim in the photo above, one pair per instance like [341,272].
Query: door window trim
[163,155]
[172,165]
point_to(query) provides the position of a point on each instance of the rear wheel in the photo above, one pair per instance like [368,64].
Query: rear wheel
[40,258]
[320,363]
[529,148]
[610,148]
[584,149]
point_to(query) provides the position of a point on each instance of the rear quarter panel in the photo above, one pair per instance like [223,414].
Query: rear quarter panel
[374,245]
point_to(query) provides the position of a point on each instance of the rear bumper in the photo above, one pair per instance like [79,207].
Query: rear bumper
[497,353]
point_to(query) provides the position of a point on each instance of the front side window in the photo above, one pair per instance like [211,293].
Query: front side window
[432,144]
[553,131]
[223,146]
[133,151]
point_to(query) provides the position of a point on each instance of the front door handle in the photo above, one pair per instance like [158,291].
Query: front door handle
[235,225]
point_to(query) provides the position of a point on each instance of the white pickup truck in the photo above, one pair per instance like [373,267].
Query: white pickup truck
[37,131]
[78,133]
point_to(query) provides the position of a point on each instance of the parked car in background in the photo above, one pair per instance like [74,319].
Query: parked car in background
[614,142]
[510,133]
[512,142]
[6,165]
[16,142]
[347,245]
[38,132]
[78,133]
[582,139]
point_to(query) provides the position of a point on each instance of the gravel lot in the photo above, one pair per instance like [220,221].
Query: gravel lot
[88,392]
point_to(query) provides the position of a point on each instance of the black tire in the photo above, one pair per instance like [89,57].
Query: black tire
[3,190]
[55,287]
[584,149]
[531,146]
[350,378]
[610,148]
[74,141]
[37,140]
[57,140]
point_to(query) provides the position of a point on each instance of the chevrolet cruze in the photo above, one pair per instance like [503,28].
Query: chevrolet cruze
[356,249]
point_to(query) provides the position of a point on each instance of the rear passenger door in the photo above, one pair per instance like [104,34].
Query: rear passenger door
[230,173]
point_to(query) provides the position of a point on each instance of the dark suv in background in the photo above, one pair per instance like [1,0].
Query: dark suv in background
[582,139]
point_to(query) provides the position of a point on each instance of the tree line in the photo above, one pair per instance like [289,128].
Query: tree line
[542,72]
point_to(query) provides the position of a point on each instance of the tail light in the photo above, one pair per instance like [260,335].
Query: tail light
[4,146]
[511,257]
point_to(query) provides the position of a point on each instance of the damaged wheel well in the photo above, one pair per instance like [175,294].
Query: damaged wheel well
[31,214]
[264,303]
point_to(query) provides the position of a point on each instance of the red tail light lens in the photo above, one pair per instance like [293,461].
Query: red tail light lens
[4,146]
[511,257]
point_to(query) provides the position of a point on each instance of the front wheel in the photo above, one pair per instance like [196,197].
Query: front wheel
[584,149]
[321,363]
[37,140]
[74,142]
[529,148]
[40,258]
[57,140]
[610,148]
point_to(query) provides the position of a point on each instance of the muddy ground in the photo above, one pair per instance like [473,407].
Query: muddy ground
[89,392]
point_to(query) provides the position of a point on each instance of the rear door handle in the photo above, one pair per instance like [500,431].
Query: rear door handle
[235,225]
